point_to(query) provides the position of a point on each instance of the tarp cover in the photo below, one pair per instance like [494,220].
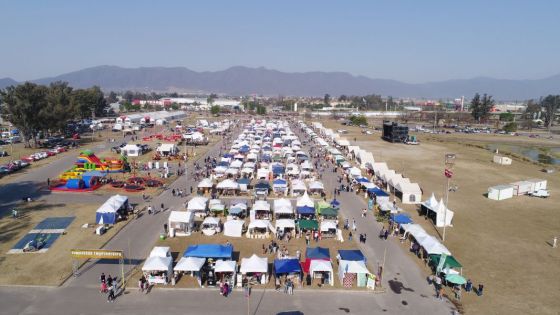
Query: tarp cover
[286,266]
[190,264]
[351,255]
[209,251]
[317,253]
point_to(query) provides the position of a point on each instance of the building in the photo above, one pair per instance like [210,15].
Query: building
[393,132]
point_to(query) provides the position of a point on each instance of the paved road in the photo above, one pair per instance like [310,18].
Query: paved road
[45,301]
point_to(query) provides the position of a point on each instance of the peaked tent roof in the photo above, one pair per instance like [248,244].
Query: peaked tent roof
[286,266]
[351,255]
[317,253]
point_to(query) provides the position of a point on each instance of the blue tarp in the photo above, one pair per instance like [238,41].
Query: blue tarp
[305,210]
[228,155]
[335,203]
[54,223]
[351,254]
[286,266]
[209,251]
[317,253]
[362,180]
[278,170]
[108,217]
[401,218]
[279,182]
[262,185]
[378,192]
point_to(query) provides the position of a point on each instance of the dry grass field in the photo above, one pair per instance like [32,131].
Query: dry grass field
[54,266]
[506,245]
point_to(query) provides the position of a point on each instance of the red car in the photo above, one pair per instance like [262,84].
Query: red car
[52,152]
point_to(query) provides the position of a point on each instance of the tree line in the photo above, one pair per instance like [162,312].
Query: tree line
[35,109]
[546,107]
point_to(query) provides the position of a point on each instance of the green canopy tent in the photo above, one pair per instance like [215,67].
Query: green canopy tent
[450,262]
[308,225]
[319,206]
[455,279]
[328,212]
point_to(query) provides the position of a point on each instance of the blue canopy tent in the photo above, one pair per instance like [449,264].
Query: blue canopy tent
[317,253]
[305,210]
[351,254]
[262,185]
[401,218]
[286,266]
[335,203]
[209,251]
[276,170]
[235,210]
[362,180]
[244,149]
[228,155]
[279,181]
[378,192]
[266,158]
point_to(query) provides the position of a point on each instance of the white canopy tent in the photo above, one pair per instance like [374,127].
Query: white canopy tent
[263,225]
[433,246]
[298,187]
[190,264]
[305,200]
[410,193]
[210,226]
[318,265]
[181,223]
[328,225]
[283,206]
[197,204]
[234,228]
[348,266]
[254,264]
[205,183]
[225,266]
[283,224]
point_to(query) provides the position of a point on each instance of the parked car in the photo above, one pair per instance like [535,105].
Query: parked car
[543,193]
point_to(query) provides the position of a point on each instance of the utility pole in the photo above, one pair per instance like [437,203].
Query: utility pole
[449,162]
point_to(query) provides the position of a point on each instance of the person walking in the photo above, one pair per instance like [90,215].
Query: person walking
[290,287]
[354,227]
[480,289]
[165,228]
[162,207]
[102,278]
[111,295]
[468,286]
[141,285]
[350,236]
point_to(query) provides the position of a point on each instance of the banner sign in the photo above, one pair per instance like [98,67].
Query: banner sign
[96,254]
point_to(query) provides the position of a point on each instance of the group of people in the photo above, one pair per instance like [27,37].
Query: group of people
[108,286]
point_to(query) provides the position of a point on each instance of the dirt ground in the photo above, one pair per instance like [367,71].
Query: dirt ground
[506,245]
[54,266]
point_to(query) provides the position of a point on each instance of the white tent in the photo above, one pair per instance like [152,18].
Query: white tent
[387,174]
[410,192]
[261,205]
[500,192]
[181,222]
[433,246]
[282,224]
[365,158]
[260,225]
[431,203]
[160,251]
[306,165]
[205,183]
[197,204]
[167,148]
[328,225]
[107,212]
[318,265]
[305,200]
[233,228]
[416,230]
[210,226]
[355,172]
[156,263]
[254,264]
[298,187]
[443,218]
[131,150]
[225,266]
[190,264]
[348,266]
[283,206]
[379,168]
[316,185]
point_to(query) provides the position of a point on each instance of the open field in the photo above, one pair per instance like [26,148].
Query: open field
[54,266]
[503,244]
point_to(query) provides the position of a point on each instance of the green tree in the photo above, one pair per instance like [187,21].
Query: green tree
[480,107]
[261,110]
[506,117]
[89,102]
[342,98]
[112,97]
[58,109]
[358,120]
[21,107]
[128,96]
[510,127]
[211,98]
[550,103]
[215,110]
[327,99]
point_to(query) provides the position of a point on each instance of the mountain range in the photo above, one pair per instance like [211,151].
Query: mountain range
[241,80]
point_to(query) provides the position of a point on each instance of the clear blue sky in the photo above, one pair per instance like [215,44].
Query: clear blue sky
[411,41]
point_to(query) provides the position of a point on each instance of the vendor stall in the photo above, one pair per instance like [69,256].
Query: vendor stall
[211,226]
[181,223]
[259,229]
[254,269]
[192,265]
[352,272]
[158,268]
[234,228]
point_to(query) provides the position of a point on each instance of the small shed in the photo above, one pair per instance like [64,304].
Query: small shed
[502,160]
[537,184]
[522,187]
[500,192]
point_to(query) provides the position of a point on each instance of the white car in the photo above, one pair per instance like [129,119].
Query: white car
[543,193]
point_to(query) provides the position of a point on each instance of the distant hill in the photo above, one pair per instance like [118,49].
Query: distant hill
[4,82]
[243,80]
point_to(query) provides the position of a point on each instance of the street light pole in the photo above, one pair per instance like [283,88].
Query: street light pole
[449,162]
